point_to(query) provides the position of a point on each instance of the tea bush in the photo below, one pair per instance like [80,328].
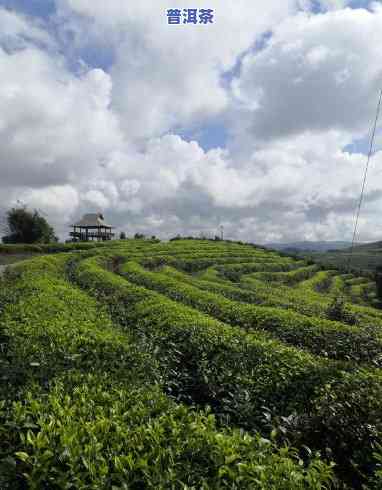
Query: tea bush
[91,432]
[202,372]
[322,337]
[241,376]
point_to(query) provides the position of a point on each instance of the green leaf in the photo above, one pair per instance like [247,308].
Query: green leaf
[22,456]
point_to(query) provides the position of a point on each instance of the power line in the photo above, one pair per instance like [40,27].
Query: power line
[364,179]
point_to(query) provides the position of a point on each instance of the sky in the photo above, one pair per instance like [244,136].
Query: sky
[259,121]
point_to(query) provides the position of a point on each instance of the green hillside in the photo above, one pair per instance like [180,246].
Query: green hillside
[191,364]
[364,258]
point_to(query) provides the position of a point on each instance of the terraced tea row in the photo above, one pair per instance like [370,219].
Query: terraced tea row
[311,303]
[253,291]
[256,375]
[187,364]
[82,409]
[322,337]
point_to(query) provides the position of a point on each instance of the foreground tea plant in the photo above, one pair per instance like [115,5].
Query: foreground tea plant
[82,405]
[185,365]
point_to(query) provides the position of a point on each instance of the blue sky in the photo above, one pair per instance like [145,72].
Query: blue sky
[38,8]
[317,7]
[210,135]
[164,131]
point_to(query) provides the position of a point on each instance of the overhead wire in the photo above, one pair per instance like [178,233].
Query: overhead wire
[358,209]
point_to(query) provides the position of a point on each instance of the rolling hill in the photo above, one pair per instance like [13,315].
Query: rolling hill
[187,364]
[322,246]
[363,260]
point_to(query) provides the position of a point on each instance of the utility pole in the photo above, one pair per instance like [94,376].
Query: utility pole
[221,232]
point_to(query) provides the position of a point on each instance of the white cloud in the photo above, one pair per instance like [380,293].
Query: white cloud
[56,203]
[318,72]
[55,126]
[165,76]
[96,198]
[106,139]
[17,31]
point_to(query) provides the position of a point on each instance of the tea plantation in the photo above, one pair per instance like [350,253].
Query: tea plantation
[191,364]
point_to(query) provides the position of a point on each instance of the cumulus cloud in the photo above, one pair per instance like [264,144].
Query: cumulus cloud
[317,72]
[79,136]
[17,31]
[53,125]
[166,76]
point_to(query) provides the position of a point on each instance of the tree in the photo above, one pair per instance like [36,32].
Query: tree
[139,236]
[24,226]
[122,235]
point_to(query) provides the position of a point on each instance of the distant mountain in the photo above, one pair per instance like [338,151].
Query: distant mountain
[309,246]
[374,247]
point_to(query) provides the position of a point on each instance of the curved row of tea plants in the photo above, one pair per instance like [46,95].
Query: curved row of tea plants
[82,407]
[240,375]
[311,303]
[323,337]
[251,290]
[320,282]
[119,386]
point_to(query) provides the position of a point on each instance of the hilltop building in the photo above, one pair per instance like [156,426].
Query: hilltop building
[91,227]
